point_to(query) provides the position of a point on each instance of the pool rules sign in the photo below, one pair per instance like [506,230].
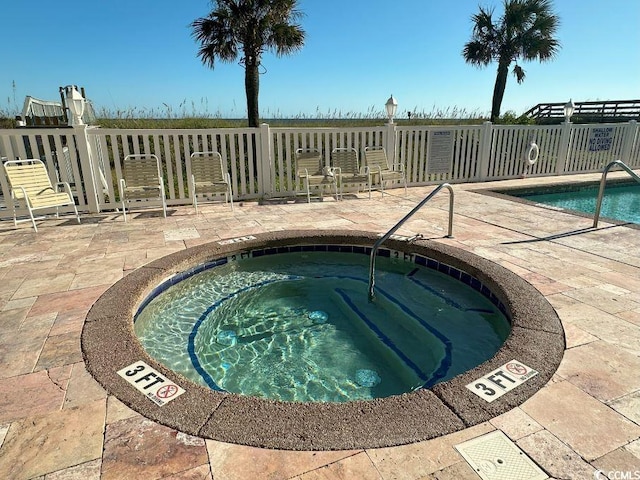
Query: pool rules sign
[501,380]
[151,383]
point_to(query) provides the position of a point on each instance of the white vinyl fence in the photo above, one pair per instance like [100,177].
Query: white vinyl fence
[261,160]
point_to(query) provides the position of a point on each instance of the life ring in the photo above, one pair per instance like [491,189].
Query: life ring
[531,155]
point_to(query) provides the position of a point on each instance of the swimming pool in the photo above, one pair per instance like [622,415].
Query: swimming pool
[295,325]
[621,200]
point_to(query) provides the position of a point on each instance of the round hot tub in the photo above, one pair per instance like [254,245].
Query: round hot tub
[272,341]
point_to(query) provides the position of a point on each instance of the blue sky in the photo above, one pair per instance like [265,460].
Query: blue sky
[139,57]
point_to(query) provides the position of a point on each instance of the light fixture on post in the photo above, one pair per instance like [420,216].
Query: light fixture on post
[75,103]
[569,108]
[392,107]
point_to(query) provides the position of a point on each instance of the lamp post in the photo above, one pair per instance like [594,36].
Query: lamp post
[75,102]
[569,108]
[392,107]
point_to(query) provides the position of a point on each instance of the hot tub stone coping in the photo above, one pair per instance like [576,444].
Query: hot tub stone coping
[109,344]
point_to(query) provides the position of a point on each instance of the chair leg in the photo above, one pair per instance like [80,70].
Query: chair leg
[124,211]
[33,220]
[231,197]
[164,201]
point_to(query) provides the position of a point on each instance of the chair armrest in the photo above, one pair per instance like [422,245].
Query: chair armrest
[122,184]
[66,187]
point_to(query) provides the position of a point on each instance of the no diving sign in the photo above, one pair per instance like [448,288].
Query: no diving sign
[155,386]
[501,380]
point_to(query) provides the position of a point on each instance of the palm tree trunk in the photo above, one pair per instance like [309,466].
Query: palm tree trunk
[252,88]
[498,89]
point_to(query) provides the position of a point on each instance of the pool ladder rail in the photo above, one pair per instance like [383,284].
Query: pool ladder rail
[603,183]
[381,240]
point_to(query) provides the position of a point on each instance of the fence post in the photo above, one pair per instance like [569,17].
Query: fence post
[485,151]
[266,179]
[87,167]
[629,140]
[563,150]
[391,143]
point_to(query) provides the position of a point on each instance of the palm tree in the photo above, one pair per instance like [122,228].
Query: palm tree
[525,31]
[247,28]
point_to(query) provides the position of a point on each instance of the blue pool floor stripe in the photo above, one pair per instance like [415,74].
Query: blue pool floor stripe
[383,338]
[191,348]
[433,291]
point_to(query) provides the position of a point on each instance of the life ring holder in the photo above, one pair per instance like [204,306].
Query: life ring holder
[531,154]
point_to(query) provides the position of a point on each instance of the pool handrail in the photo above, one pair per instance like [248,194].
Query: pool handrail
[603,182]
[381,240]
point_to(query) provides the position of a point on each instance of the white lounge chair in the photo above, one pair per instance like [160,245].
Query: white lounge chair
[208,176]
[141,181]
[29,182]
[376,159]
[347,169]
[312,173]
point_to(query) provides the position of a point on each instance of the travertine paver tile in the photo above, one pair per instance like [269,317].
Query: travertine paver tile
[43,284]
[19,355]
[203,472]
[629,406]
[575,336]
[601,369]
[357,466]
[84,471]
[619,461]
[65,301]
[602,325]
[569,413]
[457,471]
[32,394]
[139,448]
[516,424]
[82,388]
[239,462]
[60,350]
[116,410]
[603,299]
[70,321]
[20,303]
[409,462]
[37,445]
[104,277]
[632,316]
[555,457]
[634,448]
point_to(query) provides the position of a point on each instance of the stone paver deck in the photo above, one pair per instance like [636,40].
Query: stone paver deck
[56,422]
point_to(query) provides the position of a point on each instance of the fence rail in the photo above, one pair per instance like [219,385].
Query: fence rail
[261,160]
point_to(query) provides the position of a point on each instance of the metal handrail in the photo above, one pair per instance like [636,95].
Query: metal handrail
[603,182]
[393,229]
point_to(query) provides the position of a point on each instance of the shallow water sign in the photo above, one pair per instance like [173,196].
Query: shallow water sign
[151,383]
[501,380]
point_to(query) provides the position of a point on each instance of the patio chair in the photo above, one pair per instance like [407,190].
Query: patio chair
[376,159]
[141,181]
[312,173]
[29,182]
[208,176]
[347,169]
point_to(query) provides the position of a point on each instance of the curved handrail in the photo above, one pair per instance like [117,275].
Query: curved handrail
[393,229]
[603,183]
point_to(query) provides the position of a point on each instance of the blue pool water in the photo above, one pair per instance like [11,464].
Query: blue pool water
[620,201]
[298,326]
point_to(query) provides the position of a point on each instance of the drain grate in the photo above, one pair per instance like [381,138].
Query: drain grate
[494,457]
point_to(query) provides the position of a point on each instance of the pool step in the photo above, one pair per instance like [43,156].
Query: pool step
[410,343]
